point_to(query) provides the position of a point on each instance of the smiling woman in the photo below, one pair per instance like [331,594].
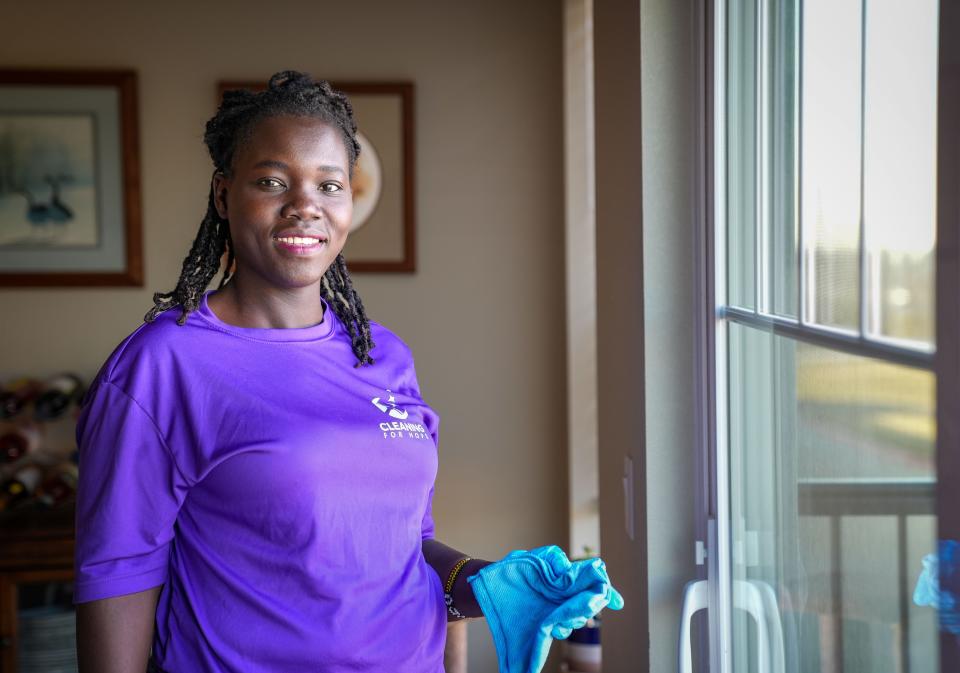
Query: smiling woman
[283,160]
[288,201]
[252,499]
[241,508]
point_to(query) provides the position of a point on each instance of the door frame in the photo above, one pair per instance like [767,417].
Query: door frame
[947,359]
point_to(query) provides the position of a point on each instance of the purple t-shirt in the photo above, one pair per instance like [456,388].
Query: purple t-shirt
[277,492]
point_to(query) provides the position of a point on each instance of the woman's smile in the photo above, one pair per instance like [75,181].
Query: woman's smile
[300,244]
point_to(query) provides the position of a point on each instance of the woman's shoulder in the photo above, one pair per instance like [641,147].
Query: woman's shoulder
[394,359]
[147,350]
[388,344]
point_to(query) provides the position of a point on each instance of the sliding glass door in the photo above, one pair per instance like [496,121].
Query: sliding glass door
[823,147]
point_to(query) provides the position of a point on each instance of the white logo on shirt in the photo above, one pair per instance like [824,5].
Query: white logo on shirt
[398,429]
[391,407]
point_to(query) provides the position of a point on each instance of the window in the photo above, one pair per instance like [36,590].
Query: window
[824,245]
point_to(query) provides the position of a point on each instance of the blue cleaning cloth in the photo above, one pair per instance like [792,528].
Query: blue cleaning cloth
[531,597]
[939,584]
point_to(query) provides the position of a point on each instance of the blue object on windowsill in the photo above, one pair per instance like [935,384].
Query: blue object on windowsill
[939,585]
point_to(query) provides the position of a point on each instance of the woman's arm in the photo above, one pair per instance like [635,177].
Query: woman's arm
[114,635]
[442,559]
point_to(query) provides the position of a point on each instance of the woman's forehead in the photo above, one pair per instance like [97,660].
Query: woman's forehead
[294,136]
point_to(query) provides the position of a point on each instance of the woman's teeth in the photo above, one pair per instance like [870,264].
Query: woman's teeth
[297,240]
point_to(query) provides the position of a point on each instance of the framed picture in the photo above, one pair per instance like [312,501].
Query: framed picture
[382,236]
[69,179]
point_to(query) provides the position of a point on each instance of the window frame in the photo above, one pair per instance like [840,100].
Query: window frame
[712,312]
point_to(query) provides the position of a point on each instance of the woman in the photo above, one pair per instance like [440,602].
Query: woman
[257,461]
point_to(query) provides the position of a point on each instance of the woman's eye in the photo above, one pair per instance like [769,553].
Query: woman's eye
[272,183]
[330,187]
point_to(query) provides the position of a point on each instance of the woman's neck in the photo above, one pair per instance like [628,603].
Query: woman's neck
[268,308]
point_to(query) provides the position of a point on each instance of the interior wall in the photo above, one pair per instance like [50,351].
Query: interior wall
[646,208]
[669,83]
[484,314]
[620,330]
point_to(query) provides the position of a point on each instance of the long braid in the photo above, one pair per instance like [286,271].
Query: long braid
[363,324]
[199,267]
[339,293]
[287,93]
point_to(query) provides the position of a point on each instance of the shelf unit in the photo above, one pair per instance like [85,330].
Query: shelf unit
[36,546]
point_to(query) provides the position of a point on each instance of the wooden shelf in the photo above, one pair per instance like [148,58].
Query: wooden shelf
[36,546]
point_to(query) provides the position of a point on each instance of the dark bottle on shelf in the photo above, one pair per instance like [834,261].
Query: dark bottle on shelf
[17,442]
[59,485]
[59,393]
[20,487]
[17,395]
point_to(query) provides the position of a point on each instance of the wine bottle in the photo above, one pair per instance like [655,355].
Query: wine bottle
[18,441]
[17,489]
[17,395]
[59,484]
[59,393]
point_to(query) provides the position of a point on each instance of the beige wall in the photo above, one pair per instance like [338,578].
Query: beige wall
[484,313]
[620,327]
[647,212]
[670,210]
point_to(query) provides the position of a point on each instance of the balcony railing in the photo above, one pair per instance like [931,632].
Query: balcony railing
[897,498]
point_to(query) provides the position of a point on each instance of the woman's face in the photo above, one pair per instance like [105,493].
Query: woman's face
[288,201]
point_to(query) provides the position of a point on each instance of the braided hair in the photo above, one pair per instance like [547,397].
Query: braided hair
[287,93]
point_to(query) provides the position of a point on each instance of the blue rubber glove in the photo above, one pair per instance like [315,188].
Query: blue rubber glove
[939,584]
[531,597]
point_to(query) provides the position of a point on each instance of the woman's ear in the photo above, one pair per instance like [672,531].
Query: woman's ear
[220,194]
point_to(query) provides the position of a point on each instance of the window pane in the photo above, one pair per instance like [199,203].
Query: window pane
[762,157]
[862,418]
[741,156]
[831,494]
[784,108]
[830,158]
[900,167]
[862,133]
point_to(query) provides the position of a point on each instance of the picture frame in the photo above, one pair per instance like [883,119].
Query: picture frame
[70,212]
[383,237]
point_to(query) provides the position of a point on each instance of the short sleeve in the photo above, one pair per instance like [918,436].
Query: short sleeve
[128,496]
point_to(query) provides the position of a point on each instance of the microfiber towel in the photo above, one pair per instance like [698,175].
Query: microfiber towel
[531,597]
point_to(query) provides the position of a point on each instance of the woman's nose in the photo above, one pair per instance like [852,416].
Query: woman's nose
[302,205]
